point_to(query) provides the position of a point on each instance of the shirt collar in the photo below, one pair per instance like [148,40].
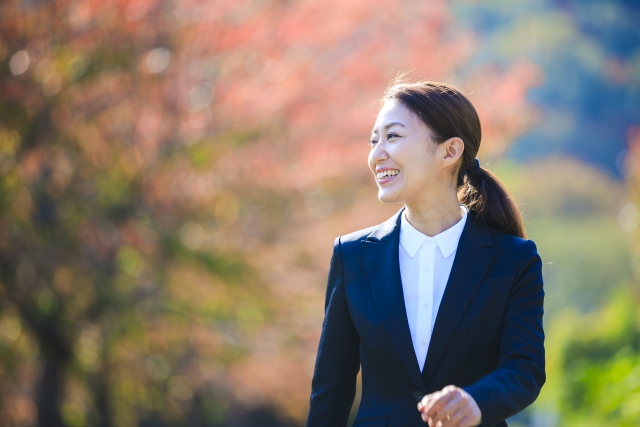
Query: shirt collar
[411,239]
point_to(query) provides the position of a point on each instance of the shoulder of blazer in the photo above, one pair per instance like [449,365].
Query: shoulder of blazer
[505,240]
[514,248]
[356,236]
[352,240]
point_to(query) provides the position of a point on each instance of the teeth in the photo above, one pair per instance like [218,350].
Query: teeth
[387,173]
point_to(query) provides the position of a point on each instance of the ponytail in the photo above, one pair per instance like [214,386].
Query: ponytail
[448,113]
[488,199]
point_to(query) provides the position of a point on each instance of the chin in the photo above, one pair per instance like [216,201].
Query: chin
[387,197]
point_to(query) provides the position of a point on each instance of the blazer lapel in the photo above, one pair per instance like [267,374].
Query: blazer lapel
[472,259]
[381,253]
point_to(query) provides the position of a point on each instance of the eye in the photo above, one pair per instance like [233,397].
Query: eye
[372,142]
[392,135]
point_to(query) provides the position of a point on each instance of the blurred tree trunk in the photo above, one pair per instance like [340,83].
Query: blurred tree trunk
[56,352]
[101,390]
[50,393]
[55,347]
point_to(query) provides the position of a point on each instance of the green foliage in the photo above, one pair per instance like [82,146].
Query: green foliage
[597,364]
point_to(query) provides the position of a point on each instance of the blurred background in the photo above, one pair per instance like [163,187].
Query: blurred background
[173,174]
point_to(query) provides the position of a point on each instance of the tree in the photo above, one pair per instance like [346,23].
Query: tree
[173,175]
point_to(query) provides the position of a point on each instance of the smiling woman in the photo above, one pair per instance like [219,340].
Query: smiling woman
[445,119]
[442,304]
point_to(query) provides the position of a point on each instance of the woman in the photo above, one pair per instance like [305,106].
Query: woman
[443,302]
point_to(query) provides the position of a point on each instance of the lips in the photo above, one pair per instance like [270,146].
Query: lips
[385,175]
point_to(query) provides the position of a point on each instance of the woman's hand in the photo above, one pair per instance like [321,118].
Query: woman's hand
[450,407]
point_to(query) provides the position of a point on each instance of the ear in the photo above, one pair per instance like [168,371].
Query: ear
[452,150]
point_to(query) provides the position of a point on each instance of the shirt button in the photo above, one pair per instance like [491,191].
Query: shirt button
[424,343]
[424,305]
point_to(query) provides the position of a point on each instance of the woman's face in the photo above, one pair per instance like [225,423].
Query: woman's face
[405,162]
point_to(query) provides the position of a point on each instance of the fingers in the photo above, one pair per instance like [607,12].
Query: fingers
[433,403]
[458,418]
[424,401]
[469,421]
[449,407]
[454,407]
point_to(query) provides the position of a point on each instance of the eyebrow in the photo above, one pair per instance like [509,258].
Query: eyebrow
[388,125]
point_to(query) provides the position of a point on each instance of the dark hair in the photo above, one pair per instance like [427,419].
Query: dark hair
[448,113]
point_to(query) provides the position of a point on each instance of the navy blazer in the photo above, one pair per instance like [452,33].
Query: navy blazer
[487,337]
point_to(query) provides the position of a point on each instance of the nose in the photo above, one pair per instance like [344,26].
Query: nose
[378,153]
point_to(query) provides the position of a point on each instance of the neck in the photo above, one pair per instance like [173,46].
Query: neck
[432,217]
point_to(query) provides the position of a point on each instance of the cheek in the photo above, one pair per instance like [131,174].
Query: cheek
[418,171]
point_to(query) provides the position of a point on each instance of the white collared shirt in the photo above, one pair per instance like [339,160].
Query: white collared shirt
[425,266]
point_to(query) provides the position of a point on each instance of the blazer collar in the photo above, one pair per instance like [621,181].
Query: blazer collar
[476,231]
[381,254]
[386,228]
[476,250]
[473,257]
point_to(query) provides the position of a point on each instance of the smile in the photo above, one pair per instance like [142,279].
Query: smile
[385,175]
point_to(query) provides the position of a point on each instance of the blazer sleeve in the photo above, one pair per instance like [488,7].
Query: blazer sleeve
[338,361]
[516,383]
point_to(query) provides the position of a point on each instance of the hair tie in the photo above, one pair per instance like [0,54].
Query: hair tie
[474,166]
